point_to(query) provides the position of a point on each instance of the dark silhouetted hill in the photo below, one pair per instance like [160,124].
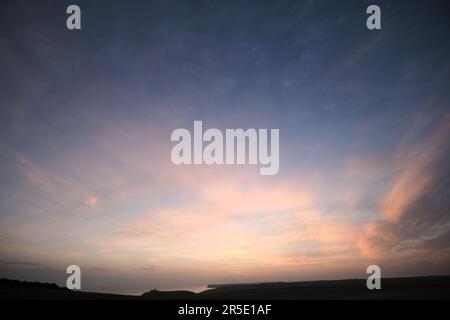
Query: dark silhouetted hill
[435,287]
[164,295]
[23,290]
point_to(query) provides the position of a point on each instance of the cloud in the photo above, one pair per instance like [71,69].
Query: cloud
[21,263]
[234,224]
[149,267]
[441,242]
[91,202]
[100,269]
[417,206]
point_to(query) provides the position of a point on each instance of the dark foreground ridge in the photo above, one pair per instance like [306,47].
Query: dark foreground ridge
[433,287]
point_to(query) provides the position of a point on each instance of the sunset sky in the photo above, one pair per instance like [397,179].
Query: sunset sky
[86,118]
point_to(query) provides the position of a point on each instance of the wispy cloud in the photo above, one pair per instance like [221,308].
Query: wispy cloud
[415,207]
[21,263]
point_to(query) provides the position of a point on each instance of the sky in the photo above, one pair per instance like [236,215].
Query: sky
[86,118]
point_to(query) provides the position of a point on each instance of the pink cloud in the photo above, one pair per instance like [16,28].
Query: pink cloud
[420,173]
